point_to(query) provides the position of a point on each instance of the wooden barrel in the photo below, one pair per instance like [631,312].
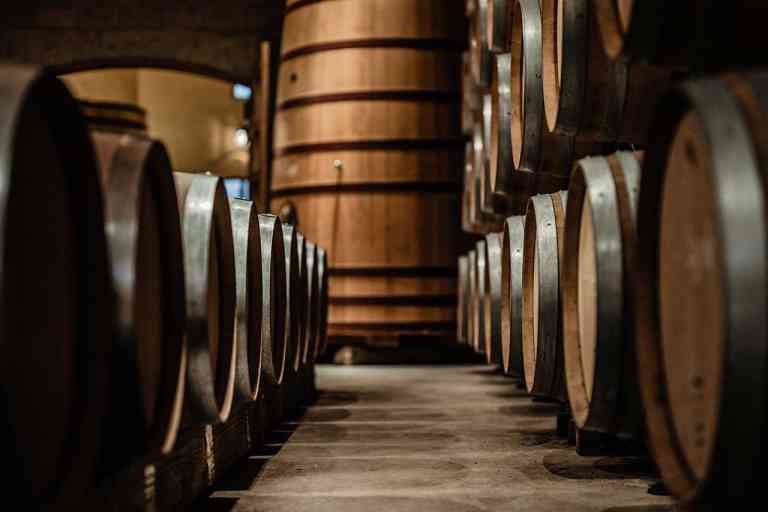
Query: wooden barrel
[701,34]
[246,236]
[533,148]
[143,229]
[700,289]
[322,279]
[293,298]
[499,17]
[312,308]
[301,306]
[542,330]
[498,196]
[597,294]
[209,271]
[463,305]
[273,300]
[363,149]
[480,221]
[478,43]
[467,195]
[57,295]
[471,296]
[585,92]
[492,298]
[513,236]
[505,179]
[481,267]
[470,94]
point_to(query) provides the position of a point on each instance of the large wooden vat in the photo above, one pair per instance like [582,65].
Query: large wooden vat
[368,148]
[57,298]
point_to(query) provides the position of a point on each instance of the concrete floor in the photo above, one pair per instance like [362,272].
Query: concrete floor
[426,439]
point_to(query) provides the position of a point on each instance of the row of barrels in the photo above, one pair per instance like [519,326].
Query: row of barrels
[135,301]
[539,94]
[638,296]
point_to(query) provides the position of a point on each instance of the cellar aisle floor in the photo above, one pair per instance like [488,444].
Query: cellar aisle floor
[423,439]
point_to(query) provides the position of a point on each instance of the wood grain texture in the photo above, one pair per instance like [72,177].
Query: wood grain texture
[354,20]
[369,144]
[368,71]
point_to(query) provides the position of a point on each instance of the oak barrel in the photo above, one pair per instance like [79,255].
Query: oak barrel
[463,304]
[246,236]
[312,309]
[533,148]
[480,220]
[481,267]
[301,306]
[209,271]
[293,298]
[471,297]
[322,279]
[499,17]
[478,42]
[703,34]
[597,294]
[273,299]
[542,329]
[701,280]
[368,139]
[585,92]
[492,298]
[143,229]
[512,295]
[57,295]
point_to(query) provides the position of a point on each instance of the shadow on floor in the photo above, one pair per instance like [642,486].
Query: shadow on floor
[242,475]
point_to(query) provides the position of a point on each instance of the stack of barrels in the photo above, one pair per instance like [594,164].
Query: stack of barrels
[627,277]
[136,301]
